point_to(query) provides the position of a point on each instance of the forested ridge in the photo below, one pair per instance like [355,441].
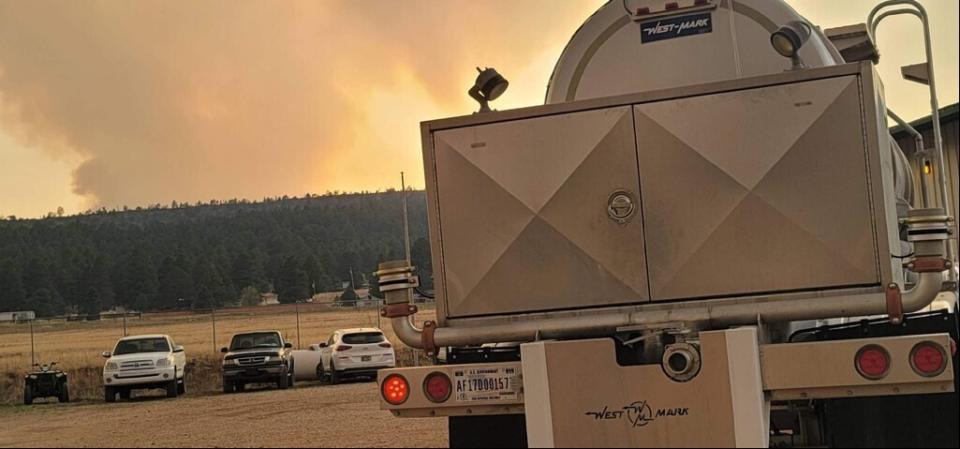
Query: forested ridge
[211,255]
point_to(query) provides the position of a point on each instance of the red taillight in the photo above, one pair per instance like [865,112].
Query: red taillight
[928,359]
[437,387]
[386,345]
[344,348]
[873,362]
[395,389]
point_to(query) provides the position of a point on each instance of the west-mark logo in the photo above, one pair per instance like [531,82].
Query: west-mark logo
[639,413]
[658,30]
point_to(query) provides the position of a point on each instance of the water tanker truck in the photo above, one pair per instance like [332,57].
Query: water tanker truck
[706,236]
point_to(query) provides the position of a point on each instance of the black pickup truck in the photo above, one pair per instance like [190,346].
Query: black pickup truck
[257,358]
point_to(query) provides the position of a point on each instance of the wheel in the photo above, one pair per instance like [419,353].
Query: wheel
[64,396]
[28,395]
[125,394]
[293,375]
[228,387]
[240,386]
[173,386]
[334,374]
[182,386]
[320,371]
[109,395]
[284,381]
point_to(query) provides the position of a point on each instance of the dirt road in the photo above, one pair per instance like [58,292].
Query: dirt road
[308,416]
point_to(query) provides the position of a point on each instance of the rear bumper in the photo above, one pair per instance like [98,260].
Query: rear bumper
[367,371]
[350,365]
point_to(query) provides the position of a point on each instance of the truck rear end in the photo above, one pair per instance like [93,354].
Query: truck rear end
[693,265]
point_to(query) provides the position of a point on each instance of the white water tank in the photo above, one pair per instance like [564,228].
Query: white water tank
[676,43]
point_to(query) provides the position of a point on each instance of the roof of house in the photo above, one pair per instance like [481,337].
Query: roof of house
[947,113]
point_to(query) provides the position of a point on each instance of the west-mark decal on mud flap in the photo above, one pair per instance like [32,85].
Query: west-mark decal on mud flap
[500,384]
[639,413]
[671,27]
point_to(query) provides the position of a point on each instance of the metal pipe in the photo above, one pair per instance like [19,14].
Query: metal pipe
[921,13]
[915,299]
[33,352]
[408,332]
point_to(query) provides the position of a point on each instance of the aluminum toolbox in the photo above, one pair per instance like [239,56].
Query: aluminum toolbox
[770,186]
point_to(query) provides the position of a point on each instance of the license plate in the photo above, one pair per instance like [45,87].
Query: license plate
[366,358]
[501,384]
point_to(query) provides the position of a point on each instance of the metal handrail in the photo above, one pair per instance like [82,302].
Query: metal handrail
[920,150]
[920,12]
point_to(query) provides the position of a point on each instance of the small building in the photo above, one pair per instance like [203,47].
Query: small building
[17,317]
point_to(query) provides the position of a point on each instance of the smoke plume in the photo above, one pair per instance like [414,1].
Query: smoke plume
[220,99]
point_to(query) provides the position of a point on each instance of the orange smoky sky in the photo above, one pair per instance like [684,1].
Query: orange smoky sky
[113,103]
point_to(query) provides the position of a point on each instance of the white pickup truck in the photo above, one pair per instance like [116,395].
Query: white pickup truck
[144,362]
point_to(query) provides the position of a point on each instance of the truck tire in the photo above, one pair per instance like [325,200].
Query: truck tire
[182,386]
[109,395]
[240,387]
[64,396]
[293,375]
[173,386]
[228,386]
[28,395]
[125,394]
[284,381]
[334,374]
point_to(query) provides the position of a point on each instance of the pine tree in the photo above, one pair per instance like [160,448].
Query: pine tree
[250,297]
[349,295]
[176,286]
[13,297]
[292,284]
[92,305]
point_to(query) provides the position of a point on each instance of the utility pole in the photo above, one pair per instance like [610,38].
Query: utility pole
[406,247]
[297,309]
[406,223]
[124,323]
[213,318]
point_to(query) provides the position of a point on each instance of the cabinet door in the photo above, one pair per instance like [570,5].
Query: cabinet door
[540,214]
[757,191]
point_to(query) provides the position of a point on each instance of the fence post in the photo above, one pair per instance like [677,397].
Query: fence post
[33,357]
[297,309]
[213,318]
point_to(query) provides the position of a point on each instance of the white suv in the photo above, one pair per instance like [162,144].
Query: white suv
[355,353]
[144,362]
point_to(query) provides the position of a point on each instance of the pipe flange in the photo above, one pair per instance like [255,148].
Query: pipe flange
[929,265]
[681,362]
[429,344]
[398,310]
[895,303]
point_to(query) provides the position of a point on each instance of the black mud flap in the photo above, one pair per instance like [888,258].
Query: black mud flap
[499,431]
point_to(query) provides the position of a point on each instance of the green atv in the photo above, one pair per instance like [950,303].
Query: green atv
[45,382]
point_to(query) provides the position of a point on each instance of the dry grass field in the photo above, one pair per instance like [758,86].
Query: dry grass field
[76,346]
[310,415]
